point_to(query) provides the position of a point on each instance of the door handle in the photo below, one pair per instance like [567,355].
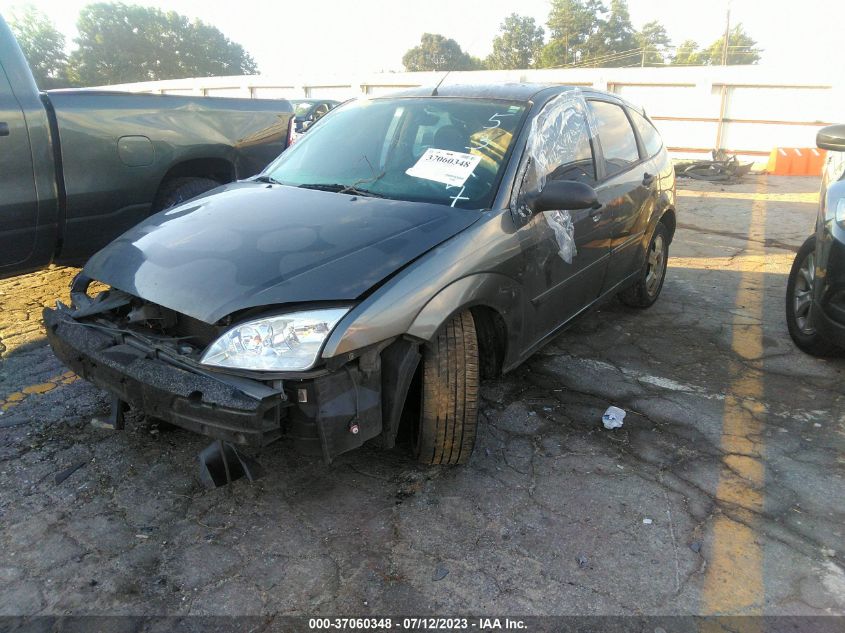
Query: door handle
[648,179]
[4,129]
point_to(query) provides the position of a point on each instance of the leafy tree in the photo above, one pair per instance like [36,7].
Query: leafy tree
[687,54]
[517,45]
[42,45]
[571,24]
[120,43]
[742,49]
[436,52]
[654,40]
[619,36]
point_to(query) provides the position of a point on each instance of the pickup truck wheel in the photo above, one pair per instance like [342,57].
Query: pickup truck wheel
[799,303]
[179,190]
[445,429]
[647,288]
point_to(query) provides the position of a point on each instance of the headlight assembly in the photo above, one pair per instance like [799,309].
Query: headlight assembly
[840,212]
[288,342]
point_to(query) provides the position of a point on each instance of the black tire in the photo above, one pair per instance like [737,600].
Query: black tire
[799,293]
[646,289]
[446,427]
[179,190]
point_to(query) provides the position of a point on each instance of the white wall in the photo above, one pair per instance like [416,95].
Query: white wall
[746,109]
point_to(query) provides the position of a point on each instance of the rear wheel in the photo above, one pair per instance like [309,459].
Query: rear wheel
[647,288]
[799,303]
[445,429]
[179,190]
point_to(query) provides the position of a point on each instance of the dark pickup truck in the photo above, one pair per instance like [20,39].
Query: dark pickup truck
[80,167]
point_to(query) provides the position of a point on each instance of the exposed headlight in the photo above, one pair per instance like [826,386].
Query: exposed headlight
[288,342]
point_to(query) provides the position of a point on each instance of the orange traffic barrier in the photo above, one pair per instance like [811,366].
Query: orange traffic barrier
[796,161]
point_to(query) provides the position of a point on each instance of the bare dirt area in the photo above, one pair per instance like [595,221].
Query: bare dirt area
[722,493]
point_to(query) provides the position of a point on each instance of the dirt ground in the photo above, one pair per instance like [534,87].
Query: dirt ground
[722,493]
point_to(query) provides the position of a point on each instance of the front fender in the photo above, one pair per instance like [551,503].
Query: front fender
[491,290]
[364,327]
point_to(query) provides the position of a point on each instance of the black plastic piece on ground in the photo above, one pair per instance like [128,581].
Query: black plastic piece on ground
[117,420]
[221,463]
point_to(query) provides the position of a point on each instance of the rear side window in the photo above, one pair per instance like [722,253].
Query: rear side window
[616,135]
[650,136]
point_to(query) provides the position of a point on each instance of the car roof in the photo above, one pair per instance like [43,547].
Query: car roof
[507,91]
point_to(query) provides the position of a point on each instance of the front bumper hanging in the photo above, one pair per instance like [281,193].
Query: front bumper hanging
[224,407]
[324,414]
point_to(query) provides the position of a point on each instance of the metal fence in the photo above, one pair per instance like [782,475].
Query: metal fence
[749,110]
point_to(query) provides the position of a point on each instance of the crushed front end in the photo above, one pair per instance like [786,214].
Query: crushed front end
[149,357]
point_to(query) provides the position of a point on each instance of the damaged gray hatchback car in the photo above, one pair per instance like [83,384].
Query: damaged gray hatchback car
[404,249]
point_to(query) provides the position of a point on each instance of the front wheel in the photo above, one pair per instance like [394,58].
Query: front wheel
[799,303]
[445,429]
[179,190]
[647,288]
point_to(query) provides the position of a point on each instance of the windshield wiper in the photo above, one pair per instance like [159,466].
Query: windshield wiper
[267,179]
[339,188]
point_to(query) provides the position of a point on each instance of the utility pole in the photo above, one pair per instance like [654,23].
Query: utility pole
[727,36]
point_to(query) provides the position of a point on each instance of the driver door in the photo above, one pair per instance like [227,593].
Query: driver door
[19,202]
[560,289]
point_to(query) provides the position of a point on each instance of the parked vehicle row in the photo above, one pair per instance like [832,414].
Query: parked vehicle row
[79,167]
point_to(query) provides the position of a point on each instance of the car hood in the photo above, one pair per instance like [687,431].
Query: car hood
[251,244]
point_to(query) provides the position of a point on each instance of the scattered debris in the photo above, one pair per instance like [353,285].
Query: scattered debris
[647,521]
[612,418]
[583,562]
[440,572]
[221,463]
[723,168]
[695,546]
[67,472]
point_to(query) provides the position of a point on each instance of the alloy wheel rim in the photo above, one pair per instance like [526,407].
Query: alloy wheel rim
[802,295]
[656,264]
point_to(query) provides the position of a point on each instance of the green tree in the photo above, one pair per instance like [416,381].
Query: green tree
[518,44]
[687,54]
[618,36]
[42,45]
[121,43]
[436,52]
[654,42]
[571,23]
[742,49]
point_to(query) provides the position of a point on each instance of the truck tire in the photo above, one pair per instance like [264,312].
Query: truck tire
[799,287]
[646,289]
[179,190]
[446,426]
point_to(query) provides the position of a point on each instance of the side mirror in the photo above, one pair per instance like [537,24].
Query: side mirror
[832,138]
[564,194]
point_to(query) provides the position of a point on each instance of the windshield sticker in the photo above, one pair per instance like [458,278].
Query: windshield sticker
[442,165]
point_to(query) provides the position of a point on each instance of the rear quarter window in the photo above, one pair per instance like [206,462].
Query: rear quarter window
[649,135]
[616,135]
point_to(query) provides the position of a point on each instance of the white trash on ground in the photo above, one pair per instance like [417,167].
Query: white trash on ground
[612,418]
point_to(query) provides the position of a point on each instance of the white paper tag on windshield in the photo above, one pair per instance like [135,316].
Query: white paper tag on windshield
[441,165]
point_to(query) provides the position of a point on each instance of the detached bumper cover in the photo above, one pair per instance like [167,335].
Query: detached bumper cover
[201,403]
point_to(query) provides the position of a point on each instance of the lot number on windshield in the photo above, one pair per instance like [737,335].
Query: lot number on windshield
[442,165]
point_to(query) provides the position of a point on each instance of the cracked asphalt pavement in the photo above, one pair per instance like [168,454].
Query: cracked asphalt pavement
[722,493]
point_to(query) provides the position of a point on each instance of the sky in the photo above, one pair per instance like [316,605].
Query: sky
[328,37]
